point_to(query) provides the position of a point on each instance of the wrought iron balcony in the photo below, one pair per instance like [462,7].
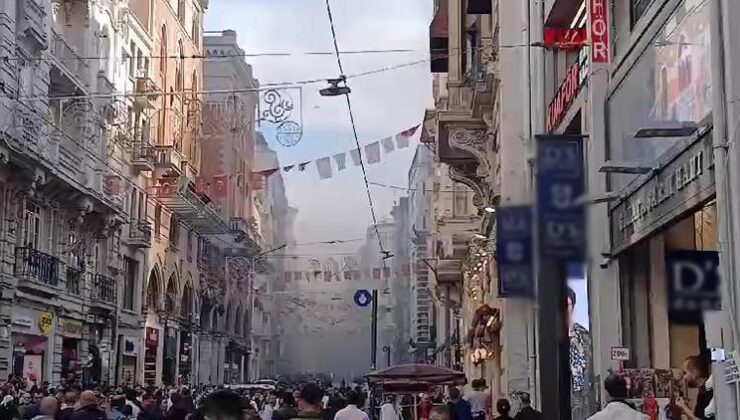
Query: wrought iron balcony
[74,279]
[103,290]
[146,90]
[168,158]
[69,61]
[36,266]
[140,234]
[34,17]
[143,156]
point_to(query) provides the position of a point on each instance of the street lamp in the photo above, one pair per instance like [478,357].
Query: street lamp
[334,89]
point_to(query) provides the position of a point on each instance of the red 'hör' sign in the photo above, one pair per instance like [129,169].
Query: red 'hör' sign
[599,28]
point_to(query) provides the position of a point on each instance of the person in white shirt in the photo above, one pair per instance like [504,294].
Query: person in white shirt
[353,410]
[388,410]
[617,408]
[477,399]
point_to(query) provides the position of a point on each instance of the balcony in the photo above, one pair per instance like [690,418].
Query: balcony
[69,61]
[33,24]
[74,280]
[143,156]
[35,267]
[103,291]
[140,234]
[168,160]
[146,91]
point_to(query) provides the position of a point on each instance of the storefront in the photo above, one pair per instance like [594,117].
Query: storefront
[71,332]
[31,346]
[151,348]
[663,233]
[169,356]
[186,356]
[128,360]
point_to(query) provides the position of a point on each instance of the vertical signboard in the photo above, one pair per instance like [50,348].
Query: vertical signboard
[514,251]
[599,30]
[560,181]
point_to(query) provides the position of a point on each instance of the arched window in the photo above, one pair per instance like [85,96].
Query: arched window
[238,324]
[229,318]
[181,11]
[186,303]
[170,297]
[195,30]
[152,293]
[163,51]
[179,76]
[105,50]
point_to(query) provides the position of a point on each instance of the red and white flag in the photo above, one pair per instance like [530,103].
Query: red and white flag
[403,138]
[323,165]
[202,186]
[372,151]
[220,186]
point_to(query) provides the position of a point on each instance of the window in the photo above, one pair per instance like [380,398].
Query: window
[163,50]
[190,246]
[31,225]
[131,269]
[181,11]
[460,197]
[195,30]
[157,220]
[133,60]
[638,8]
[174,232]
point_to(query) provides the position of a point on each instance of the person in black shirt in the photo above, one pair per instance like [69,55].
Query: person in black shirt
[696,373]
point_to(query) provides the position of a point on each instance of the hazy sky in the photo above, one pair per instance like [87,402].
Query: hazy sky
[383,103]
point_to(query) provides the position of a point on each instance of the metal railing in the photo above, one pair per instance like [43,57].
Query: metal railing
[74,278]
[104,289]
[37,266]
[69,58]
[140,230]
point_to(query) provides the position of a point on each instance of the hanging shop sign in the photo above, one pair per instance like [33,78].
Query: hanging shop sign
[599,28]
[685,182]
[568,90]
[514,251]
[152,337]
[129,347]
[693,282]
[71,329]
[560,181]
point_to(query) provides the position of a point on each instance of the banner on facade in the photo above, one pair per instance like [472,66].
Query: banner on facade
[514,254]
[560,181]
[693,282]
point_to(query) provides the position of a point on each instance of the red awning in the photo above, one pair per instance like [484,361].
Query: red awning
[440,23]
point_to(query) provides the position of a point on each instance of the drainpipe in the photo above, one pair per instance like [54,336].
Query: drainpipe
[726,404]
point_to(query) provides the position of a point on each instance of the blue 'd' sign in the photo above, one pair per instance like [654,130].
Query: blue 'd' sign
[514,251]
[363,298]
[693,282]
[560,182]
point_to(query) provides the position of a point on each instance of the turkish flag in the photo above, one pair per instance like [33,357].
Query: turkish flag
[221,186]
[202,185]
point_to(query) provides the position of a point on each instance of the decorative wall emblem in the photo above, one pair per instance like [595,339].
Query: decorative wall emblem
[277,107]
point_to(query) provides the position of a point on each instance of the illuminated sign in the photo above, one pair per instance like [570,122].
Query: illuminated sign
[568,90]
[599,28]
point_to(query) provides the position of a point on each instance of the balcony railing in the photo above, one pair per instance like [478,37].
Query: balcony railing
[143,155]
[168,158]
[34,26]
[140,233]
[104,289]
[74,279]
[36,266]
[70,59]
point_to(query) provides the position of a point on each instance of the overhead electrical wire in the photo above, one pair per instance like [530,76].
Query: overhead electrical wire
[354,128]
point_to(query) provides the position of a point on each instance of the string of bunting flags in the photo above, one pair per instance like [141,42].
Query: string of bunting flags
[377,273]
[217,186]
[370,152]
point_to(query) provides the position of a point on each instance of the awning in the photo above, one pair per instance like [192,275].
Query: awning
[438,39]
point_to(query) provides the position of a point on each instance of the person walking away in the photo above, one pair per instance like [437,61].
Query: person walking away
[503,408]
[696,373]
[617,407]
[117,408]
[477,399]
[177,411]
[47,409]
[68,406]
[149,408]
[459,408]
[310,405]
[527,412]
[132,402]
[88,408]
[223,404]
[388,410]
[268,409]
[287,408]
[352,411]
